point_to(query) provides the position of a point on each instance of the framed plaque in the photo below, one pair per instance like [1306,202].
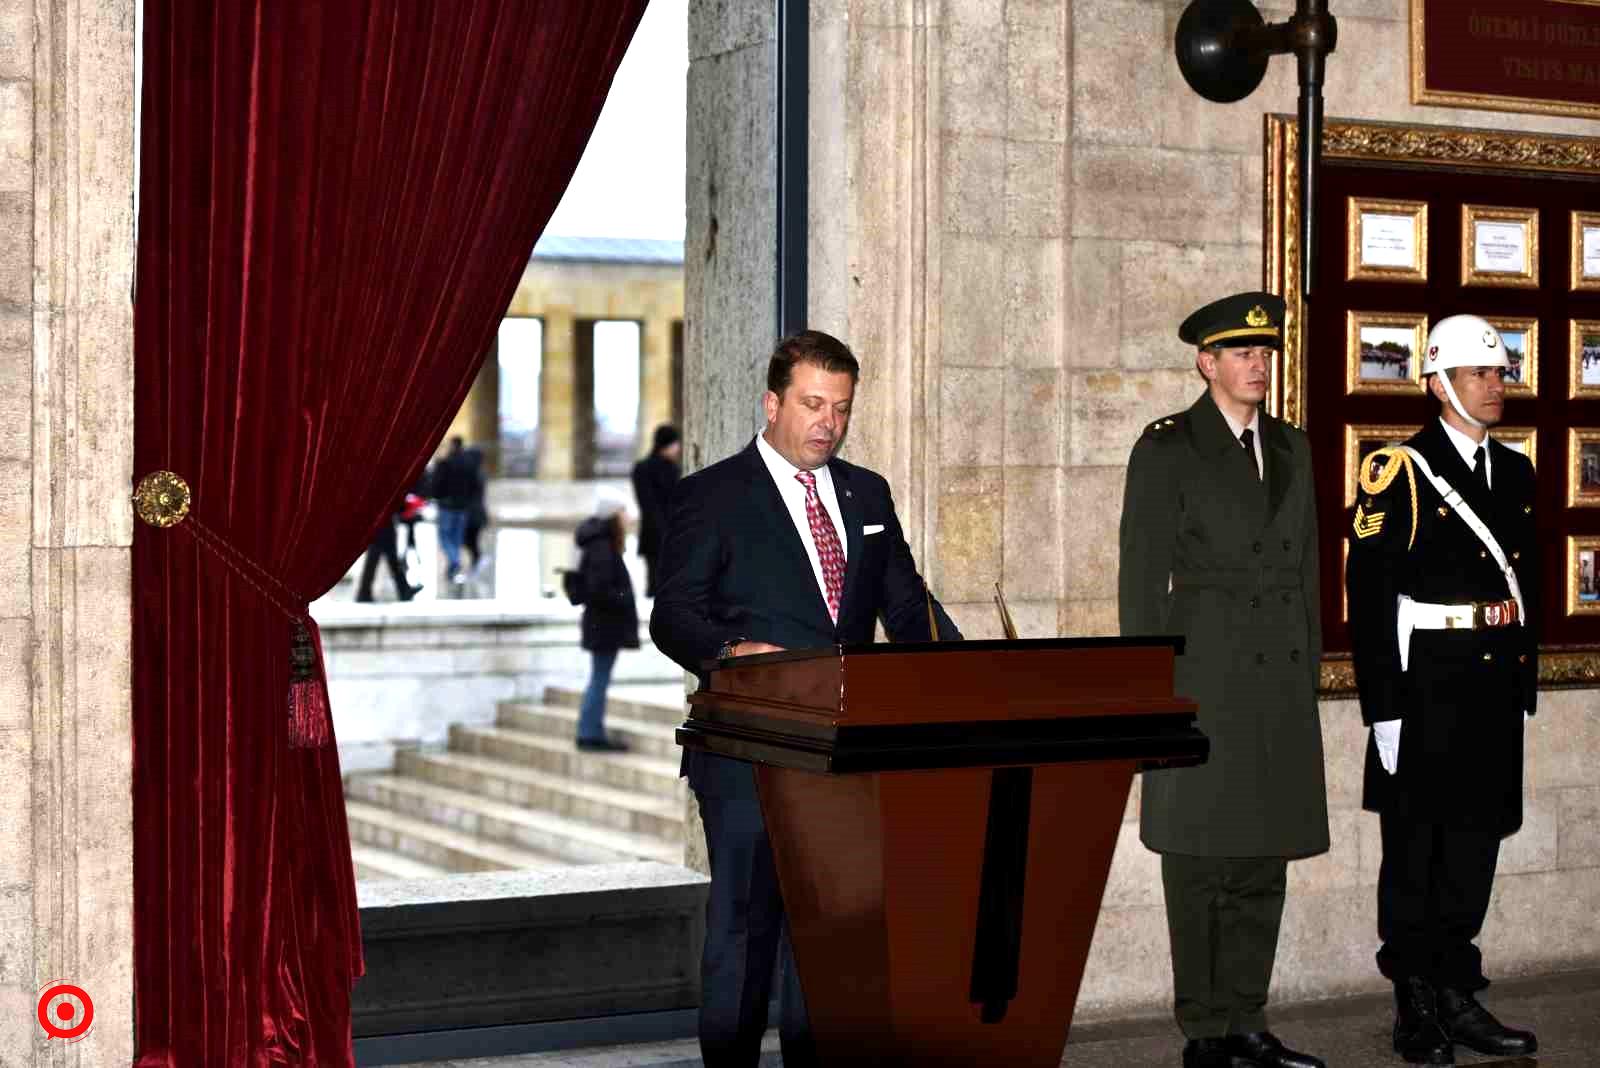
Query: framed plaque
[1583,372]
[1583,575]
[1532,56]
[1585,244]
[1499,246]
[1521,338]
[1383,351]
[1360,442]
[1387,240]
[1524,439]
[1583,468]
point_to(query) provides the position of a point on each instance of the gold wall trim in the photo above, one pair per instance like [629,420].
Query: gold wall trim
[1559,669]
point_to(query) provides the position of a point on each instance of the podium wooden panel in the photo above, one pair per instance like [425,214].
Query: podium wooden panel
[943,818]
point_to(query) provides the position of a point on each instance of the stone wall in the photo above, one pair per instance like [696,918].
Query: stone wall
[66,446]
[1012,205]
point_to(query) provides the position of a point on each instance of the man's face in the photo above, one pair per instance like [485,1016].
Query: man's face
[806,424]
[1239,374]
[673,452]
[1481,391]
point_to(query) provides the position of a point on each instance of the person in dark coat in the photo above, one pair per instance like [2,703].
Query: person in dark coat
[452,481]
[1443,591]
[782,545]
[610,620]
[1219,544]
[477,509]
[653,479]
[385,547]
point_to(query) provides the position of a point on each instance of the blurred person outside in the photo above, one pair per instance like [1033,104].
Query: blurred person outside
[477,510]
[384,545]
[451,482]
[653,479]
[610,620]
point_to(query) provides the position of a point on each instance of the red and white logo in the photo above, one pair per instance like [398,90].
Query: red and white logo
[65,1011]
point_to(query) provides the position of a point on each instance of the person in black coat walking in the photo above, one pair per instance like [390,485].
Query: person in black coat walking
[610,620]
[653,479]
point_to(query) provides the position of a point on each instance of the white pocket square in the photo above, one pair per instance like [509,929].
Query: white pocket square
[872,528]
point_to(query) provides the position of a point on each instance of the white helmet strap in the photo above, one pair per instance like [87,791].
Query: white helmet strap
[1455,402]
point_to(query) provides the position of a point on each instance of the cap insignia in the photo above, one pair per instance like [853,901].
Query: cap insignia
[1489,338]
[1257,316]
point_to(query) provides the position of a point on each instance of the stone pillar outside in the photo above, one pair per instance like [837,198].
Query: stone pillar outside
[655,376]
[557,384]
[66,449]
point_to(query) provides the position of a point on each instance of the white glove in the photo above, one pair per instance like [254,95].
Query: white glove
[1526,715]
[1387,734]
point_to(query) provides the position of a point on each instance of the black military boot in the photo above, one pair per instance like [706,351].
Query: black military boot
[1417,1034]
[1206,1053]
[1469,1023]
[1263,1050]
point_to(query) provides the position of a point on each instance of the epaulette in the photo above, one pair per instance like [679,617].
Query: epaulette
[1162,426]
[1374,480]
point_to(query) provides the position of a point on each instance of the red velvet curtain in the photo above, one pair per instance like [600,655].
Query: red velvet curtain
[336,202]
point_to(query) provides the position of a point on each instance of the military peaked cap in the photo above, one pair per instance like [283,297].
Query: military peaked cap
[1240,321]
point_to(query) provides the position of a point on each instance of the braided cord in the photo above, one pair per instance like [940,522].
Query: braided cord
[1393,460]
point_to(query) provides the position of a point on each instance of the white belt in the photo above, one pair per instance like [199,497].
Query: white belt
[1419,615]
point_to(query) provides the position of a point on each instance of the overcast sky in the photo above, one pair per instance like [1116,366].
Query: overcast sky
[630,181]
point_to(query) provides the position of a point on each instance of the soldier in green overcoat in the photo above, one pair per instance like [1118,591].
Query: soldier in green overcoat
[1219,544]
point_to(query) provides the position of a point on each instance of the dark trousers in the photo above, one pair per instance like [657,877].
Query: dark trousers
[1222,916]
[1433,893]
[649,574]
[746,935]
[384,546]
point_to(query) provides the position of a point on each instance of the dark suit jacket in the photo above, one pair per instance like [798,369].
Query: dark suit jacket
[1461,700]
[733,566]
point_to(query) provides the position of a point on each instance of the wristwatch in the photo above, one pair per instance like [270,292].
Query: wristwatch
[726,649]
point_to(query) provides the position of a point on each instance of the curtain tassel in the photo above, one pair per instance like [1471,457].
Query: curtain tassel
[309,717]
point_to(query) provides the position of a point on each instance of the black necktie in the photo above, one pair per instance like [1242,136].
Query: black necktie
[1480,468]
[1247,438]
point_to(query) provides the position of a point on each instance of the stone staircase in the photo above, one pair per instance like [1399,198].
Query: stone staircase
[518,794]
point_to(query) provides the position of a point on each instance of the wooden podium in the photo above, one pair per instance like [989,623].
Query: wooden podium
[943,818]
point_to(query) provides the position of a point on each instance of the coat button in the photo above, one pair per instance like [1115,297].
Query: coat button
[1294,655]
[1527,509]
[1288,597]
[1287,544]
[1488,656]
[1261,658]
[1516,554]
[1483,554]
[1523,658]
[1256,546]
[1255,602]
[1443,512]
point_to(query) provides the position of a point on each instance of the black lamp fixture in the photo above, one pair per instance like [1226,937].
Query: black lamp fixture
[1223,47]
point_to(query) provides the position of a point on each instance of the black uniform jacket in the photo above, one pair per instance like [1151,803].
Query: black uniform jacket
[1228,559]
[733,566]
[1462,698]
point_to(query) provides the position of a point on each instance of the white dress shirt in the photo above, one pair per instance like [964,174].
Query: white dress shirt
[1254,426]
[793,492]
[1469,450]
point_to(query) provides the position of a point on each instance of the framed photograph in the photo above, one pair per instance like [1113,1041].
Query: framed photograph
[1583,575]
[1583,345]
[1523,439]
[1499,246]
[1360,442]
[1521,337]
[1583,468]
[1585,245]
[1386,240]
[1383,351]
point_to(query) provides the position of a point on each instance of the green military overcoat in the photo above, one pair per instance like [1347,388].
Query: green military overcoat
[1228,559]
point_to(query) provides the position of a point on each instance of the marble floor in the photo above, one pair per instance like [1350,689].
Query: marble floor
[1564,1010]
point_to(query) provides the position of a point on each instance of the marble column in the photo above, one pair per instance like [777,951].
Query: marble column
[66,447]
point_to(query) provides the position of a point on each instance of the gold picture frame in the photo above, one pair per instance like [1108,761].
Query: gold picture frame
[1520,336]
[1499,246]
[1379,344]
[1583,468]
[1386,240]
[1584,225]
[1356,435]
[1583,583]
[1523,439]
[1583,358]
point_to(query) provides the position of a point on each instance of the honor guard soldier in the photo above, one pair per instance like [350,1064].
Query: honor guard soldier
[1219,544]
[1443,586]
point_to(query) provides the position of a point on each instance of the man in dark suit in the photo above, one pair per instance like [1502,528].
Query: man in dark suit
[1219,544]
[1443,583]
[780,546]
[653,480]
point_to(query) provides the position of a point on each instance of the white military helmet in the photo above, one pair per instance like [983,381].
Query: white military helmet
[1462,341]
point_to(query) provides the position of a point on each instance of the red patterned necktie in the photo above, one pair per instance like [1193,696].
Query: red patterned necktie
[826,539]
